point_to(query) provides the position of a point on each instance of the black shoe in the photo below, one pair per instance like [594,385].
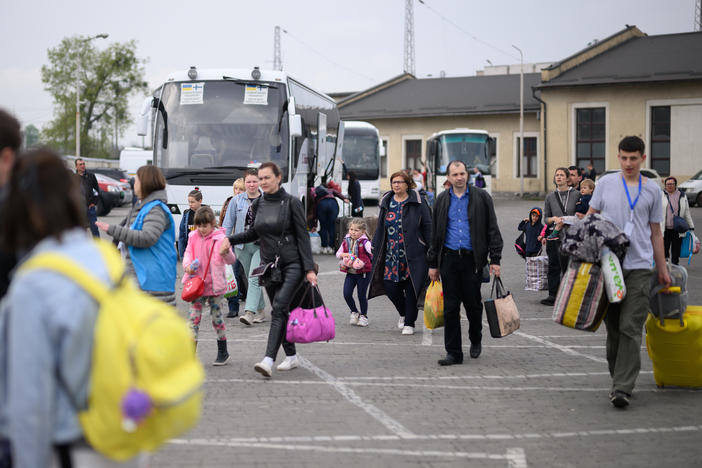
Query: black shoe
[619,399]
[475,350]
[222,354]
[232,314]
[549,301]
[450,360]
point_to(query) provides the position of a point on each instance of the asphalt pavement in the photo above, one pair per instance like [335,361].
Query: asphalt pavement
[375,398]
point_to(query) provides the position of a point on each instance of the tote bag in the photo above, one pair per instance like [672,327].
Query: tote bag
[502,314]
[310,325]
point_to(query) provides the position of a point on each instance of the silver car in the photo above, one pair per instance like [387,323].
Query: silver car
[692,188]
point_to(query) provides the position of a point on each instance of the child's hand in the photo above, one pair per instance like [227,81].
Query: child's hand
[224,246]
[526,220]
[189,270]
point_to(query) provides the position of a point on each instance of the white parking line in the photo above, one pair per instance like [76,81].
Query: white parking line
[383,418]
[515,457]
[565,349]
[485,377]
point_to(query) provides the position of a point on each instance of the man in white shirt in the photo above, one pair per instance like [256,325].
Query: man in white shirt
[633,203]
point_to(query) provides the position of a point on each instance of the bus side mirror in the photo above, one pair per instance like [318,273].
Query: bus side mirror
[295,125]
[433,144]
[142,123]
[382,149]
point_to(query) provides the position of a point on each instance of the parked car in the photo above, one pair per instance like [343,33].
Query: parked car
[121,176]
[648,173]
[112,193]
[692,188]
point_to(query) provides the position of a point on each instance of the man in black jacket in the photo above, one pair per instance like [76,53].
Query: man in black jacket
[10,141]
[465,232]
[91,191]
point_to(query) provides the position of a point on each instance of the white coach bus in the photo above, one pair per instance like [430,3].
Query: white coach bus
[361,154]
[209,126]
[464,144]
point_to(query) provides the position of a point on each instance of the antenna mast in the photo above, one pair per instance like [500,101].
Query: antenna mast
[409,65]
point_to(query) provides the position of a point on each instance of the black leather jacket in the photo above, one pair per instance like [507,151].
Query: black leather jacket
[267,228]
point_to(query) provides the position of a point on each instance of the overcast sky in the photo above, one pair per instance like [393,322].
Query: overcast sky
[331,45]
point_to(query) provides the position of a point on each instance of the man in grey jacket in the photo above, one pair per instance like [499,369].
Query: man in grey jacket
[465,232]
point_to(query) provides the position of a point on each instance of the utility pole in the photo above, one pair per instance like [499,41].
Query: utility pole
[277,58]
[698,15]
[78,70]
[521,121]
[409,65]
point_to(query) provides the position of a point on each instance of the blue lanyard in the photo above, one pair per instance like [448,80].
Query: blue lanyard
[628,197]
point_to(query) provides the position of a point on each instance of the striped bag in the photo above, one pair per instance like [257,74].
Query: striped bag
[581,302]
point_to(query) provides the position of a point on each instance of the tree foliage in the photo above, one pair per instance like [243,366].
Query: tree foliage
[31,136]
[106,79]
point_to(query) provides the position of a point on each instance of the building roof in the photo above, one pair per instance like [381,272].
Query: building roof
[639,59]
[406,96]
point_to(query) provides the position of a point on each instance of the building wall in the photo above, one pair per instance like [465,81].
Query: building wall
[504,127]
[627,113]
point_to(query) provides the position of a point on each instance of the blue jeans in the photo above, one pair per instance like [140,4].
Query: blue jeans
[360,281]
[327,211]
[92,217]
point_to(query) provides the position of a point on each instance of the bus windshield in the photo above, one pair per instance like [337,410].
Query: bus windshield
[220,124]
[361,155]
[471,148]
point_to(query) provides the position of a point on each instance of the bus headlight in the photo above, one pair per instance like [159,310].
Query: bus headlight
[192,73]
[256,73]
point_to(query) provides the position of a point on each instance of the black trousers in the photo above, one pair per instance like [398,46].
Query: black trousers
[281,296]
[404,298]
[557,265]
[461,284]
[672,239]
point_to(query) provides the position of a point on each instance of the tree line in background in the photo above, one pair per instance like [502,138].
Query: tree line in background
[106,79]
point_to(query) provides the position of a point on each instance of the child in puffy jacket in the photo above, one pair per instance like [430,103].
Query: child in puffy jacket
[532,228]
[356,257]
[204,246]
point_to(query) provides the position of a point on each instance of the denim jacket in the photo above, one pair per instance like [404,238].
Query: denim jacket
[236,214]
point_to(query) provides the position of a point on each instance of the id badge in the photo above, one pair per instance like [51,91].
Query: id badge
[628,228]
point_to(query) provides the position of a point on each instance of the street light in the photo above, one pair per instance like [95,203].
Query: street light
[521,121]
[87,39]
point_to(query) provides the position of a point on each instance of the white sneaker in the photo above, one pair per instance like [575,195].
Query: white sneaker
[401,323]
[408,330]
[259,317]
[263,369]
[353,319]
[363,321]
[288,363]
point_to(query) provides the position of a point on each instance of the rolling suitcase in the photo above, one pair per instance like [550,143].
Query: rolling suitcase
[670,302]
[675,349]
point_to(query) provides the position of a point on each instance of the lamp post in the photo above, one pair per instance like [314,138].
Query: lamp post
[521,121]
[87,39]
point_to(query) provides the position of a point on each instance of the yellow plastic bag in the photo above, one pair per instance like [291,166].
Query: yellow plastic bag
[434,306]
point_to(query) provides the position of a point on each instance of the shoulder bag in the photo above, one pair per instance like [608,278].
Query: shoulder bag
[501,311]
[269,274]
[194,287]
[679,223]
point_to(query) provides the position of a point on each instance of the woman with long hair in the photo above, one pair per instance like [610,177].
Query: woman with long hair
[279,225]
[400,245]
[561,202]
[146,236]
[47,320]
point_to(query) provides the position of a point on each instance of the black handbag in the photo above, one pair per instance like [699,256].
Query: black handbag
[679,223]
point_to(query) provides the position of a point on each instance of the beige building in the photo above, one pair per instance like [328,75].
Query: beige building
[627,84]
[407,111]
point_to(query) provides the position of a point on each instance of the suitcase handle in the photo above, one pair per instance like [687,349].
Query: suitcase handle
[670,290]
[683,326]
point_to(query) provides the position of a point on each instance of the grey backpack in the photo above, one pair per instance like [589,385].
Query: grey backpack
[669,305]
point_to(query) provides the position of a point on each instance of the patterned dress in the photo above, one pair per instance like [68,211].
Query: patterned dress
[396,269]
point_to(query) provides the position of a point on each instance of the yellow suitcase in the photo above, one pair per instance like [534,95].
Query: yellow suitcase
[675,350]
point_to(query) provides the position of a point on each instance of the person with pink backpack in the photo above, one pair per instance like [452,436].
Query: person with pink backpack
[203,258]
[355,255]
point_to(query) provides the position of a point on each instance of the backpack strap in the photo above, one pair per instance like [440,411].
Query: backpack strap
[71,269]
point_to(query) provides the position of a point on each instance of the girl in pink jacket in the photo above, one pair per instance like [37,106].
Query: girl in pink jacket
[204,246]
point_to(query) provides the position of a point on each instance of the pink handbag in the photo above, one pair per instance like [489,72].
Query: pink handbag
[353,262]
[310,325]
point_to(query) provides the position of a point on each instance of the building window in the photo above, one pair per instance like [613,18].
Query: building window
[413,154]
[384,159]
[530,162]
[660,139]
[590,138]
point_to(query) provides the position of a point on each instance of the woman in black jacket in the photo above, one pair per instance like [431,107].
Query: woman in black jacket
[400,248]
[279,225]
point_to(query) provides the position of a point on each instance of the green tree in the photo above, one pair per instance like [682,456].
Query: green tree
[31,136]
[106,79]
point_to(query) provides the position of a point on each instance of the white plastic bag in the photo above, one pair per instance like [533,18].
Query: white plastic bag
[613,276]
[232,288]
[316,243]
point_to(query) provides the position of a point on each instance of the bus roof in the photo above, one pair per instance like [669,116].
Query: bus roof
[358,125]
[458,131]
[236,73]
